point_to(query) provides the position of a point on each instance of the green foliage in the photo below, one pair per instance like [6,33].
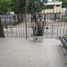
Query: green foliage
[36,5]
[64,3]
[18,6]
[4,6]
[22,6]
[64,19]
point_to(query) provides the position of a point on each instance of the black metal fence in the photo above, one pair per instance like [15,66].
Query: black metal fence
[20,25]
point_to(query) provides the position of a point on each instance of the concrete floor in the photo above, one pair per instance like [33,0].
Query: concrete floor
[27,53]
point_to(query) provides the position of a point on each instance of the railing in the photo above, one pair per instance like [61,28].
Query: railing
[20,25]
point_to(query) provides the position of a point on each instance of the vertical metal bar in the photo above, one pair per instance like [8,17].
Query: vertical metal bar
[26,25]
[16,26]
[21,26]
[27,3]
[57,28]
[1,30]
[11,25]
[64,27]
[5,18]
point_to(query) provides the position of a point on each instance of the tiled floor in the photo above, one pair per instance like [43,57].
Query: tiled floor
[27,53]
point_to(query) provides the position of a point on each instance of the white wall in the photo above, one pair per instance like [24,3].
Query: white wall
[51,0]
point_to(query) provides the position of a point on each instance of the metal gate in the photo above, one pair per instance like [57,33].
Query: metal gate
[17,26]
[21,26]
[56,25]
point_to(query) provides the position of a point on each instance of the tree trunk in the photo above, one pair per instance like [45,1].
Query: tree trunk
[1,31]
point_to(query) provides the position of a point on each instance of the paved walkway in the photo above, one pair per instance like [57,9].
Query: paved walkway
[27,53]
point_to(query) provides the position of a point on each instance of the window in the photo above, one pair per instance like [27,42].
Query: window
[58,5]
[50,6]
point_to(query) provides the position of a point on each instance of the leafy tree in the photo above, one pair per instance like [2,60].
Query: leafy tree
[64,3]
[35,6]
[4,6]
[22,6]
[18,6]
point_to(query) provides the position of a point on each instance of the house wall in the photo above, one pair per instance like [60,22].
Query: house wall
[57,9]
[49,0]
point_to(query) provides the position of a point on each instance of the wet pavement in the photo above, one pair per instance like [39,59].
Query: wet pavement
[19,52]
